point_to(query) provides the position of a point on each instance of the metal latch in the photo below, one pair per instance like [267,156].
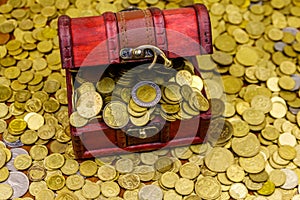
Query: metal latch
[143,133]
[145,51]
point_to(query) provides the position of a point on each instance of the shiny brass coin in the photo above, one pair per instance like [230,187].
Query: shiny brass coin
[22,162]
[186,92]
[6,191]
[172,92]
[5,93]
[88,168]
[146,94]
[77,121]
[90,190]
[208,188]
[36,173]
[89,104]
[56,182]
[105,85]
[170,109]
[163,164]
[115,115]
[2,157]
[183,77]
[129,181]
[199,101]
[106,173]
[140,121]
[54,161]
[247,146]
[17,125]
[136,108]
[217,156]
[74,182]
[110,189]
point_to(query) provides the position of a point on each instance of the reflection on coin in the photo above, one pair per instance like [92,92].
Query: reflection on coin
[19,183]
[150,192]
[115,114]
[146,94]
[89,104]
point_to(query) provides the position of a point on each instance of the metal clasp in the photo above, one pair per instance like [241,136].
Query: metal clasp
[143,133]
[145,51]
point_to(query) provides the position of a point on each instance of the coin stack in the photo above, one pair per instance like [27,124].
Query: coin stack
[172,94]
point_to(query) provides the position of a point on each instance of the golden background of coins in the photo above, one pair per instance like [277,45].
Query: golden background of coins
[257,45]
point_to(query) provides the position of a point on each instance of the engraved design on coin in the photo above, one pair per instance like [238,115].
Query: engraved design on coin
[146,94]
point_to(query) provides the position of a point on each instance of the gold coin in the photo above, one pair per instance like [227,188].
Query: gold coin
[106,173]
[260,177]
[66,195]
[287,152]
[54,161]
[235,173]
[253,117]
[170,109]
[145,172]
[6,191]
[45,194]
[88,168]
[129,181]
[2,157]
[89,104]
[208,188]
[277,177]
[169,179]
[253,164]
[77,120]
[247,56]
[124,165]
[247,146]
[189,170]
[17,125]
[56,182]
[74,182]
[184,186]
[115,115]
[183,77]
[110,189]
[106,85]
[38,152]
[70,167]
[36,173]
[4,174]
[267,188]
[198,101]
[163,164]
[146,93]
[238,191]
[172,92]
[140,121]
[90,190]
[219,159]
[22,162]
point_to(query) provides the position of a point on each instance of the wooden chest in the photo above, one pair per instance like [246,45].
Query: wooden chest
[132,79]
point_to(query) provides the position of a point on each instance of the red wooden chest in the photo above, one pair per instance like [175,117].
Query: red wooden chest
[124,43]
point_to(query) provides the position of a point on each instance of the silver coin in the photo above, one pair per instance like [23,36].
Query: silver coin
[278,46]
[297,81]
[142,103]
[15,152]
[291,30]
[294,110]
[291,179]
[15,144]
[150,192]
[19,182]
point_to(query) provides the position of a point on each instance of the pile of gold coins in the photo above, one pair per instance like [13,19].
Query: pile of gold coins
[256,54]
[173,93]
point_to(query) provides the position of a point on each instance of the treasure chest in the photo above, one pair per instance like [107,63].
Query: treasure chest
[133,81]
